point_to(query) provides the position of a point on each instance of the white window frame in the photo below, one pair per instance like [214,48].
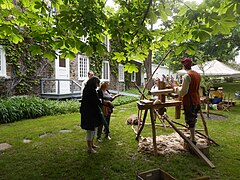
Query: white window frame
[2,62]
[83,67]
[133,77]
[107,43]
[105,71]
[120,73]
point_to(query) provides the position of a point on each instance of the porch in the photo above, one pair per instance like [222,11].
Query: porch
[60,89]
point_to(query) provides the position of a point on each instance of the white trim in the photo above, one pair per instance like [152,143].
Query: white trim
[105,71]
[62,73]
[66,68]
[107,43]
[133,77]
[83,67]
[120,73]
[2,62]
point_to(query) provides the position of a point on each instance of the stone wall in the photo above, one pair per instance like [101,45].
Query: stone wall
[8,84]
[74,70]
[5,84]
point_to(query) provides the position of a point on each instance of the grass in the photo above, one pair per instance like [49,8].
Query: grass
[64,155]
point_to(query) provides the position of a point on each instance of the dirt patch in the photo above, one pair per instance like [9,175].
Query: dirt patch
[212,116]
[167,144]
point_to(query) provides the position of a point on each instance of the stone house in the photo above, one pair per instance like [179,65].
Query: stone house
[67,75]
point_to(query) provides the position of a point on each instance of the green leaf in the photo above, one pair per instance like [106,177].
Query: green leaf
[191,50]
[179,50]
[49,55]
[224,30]
[100,49]
[230,9]
[88,50]
[203,36]
[37,5]
[101,37]
[163,16]
[165,44]
[168,10]
[183,11]
[180,39]
[119,56]
[137,56]
[229,24]
[35,50]
[16,38]
[7,4]
[70,55]
[238,8]
[128,67]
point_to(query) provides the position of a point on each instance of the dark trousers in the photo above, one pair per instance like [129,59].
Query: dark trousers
[106,127]
[190,113]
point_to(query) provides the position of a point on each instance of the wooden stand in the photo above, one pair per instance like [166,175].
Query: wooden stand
[158,108]
[148,105]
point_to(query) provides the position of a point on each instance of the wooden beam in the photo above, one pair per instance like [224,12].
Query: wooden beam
[153,131]
[142,125]
[197,131]
[195,149]
[161,91]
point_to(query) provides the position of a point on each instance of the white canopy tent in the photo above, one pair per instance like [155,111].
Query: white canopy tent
[213,68]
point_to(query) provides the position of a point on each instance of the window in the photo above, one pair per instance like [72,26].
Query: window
[133,77]
[2,62]
[83,67]
[120,73]
[105,71]
[62,62]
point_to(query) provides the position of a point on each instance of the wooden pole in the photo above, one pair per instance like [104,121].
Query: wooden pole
[153,131]
[139,90]
[139,118]
[149,79]
[195,149]
[197,131]
[143,122]
[204,123]
[155,111]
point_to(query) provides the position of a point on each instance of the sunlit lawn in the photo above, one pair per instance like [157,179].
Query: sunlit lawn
[64,155]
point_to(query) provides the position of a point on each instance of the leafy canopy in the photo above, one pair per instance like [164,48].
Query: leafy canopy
[64,24]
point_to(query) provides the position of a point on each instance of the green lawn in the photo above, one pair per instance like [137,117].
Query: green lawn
[64,155]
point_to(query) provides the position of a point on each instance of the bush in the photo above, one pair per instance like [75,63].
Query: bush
[26,107]
[124,100]
[228,79]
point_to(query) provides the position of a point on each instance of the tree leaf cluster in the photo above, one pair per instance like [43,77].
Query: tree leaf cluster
[73,26]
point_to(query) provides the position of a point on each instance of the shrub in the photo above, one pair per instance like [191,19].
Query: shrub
[124,100]
[26,107]
[228,79]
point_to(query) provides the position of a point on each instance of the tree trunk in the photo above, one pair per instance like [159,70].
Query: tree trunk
[148,67]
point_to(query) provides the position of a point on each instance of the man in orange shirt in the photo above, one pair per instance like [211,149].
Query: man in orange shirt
[191,96]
